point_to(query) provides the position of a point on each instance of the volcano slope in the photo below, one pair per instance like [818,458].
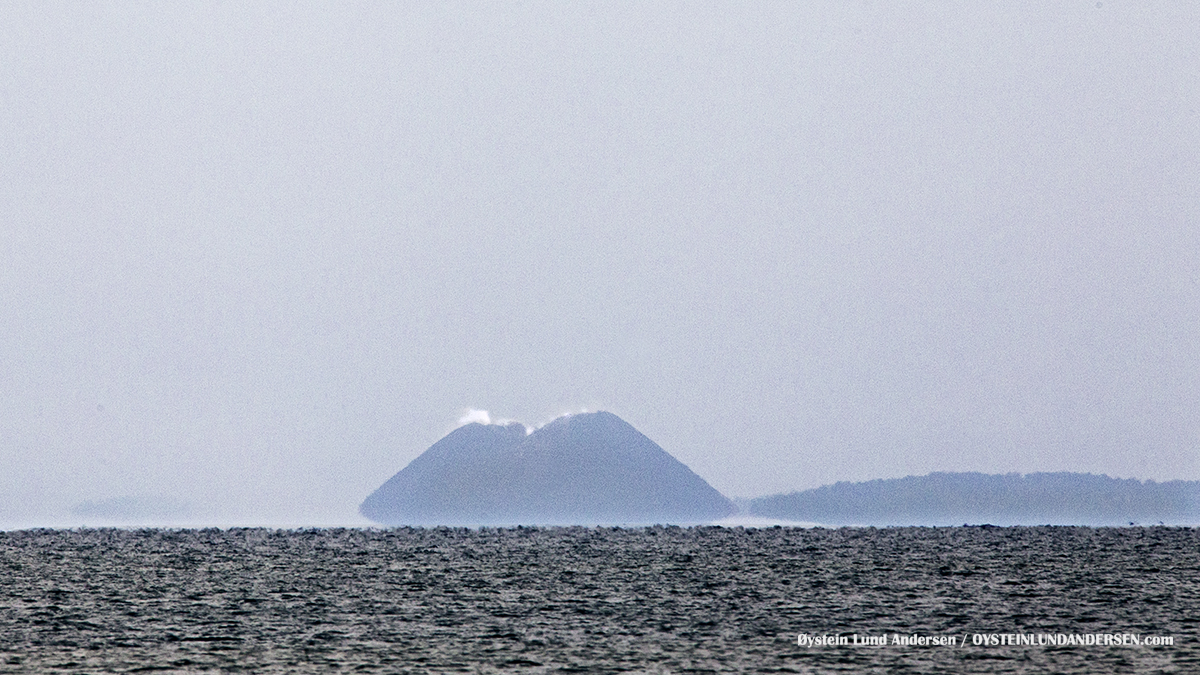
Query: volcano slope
[585,469]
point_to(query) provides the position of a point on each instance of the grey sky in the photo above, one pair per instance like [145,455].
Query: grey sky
[260,255]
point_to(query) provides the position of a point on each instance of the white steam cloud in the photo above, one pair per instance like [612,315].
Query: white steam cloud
[562,415]
[473,415]
[476,416]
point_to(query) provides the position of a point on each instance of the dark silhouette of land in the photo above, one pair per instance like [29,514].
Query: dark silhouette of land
[976,498]
[585,469]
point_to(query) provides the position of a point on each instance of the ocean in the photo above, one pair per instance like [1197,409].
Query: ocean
[602,600]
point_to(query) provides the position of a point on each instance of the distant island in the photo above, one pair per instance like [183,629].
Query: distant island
[132,509]
[977,498]
[585,469]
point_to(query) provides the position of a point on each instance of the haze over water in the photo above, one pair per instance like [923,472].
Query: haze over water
[254,258]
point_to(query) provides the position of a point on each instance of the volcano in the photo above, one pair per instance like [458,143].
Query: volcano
[585,469]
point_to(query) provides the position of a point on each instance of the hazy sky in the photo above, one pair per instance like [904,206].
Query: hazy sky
[258,256]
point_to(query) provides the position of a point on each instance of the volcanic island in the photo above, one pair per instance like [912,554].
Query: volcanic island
[583,469]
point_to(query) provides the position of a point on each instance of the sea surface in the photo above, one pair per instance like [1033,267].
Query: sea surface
[658,600]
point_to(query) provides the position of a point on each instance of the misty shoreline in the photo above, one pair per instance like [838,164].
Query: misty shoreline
[948,499]
[933,500]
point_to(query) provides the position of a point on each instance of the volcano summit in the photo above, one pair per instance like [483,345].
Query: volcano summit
[586,469]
